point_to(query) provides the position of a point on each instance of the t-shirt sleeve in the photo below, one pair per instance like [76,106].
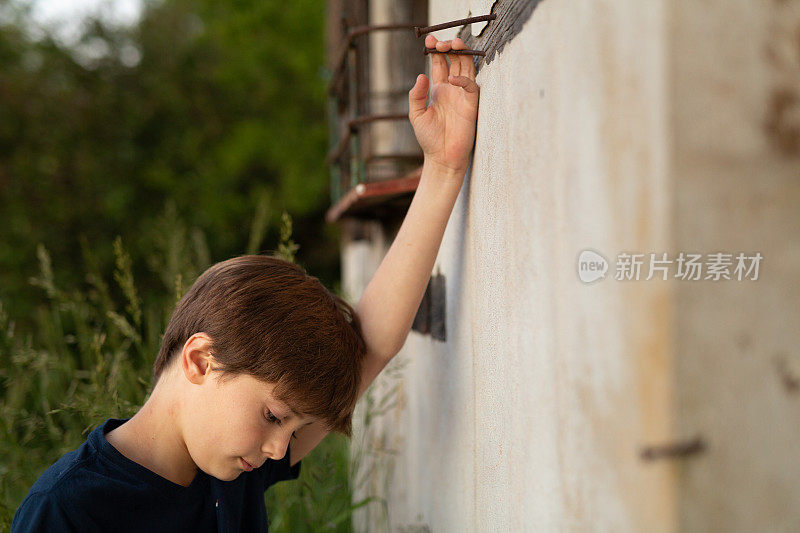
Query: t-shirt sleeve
[274,471]
[41,512]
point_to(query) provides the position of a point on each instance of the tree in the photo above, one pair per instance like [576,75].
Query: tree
[217,107]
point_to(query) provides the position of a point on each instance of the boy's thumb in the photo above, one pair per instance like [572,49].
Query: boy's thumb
[418,97]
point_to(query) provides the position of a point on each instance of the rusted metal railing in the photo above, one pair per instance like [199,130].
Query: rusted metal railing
[345,63]
[349,40]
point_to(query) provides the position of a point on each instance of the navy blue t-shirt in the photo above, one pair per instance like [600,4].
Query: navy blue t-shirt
[96,488]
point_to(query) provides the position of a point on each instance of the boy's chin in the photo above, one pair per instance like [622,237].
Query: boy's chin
[226,473]
[229,475]
[232,473]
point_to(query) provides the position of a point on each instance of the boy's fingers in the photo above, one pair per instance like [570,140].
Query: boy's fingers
[418,98]
[467,63]
[438,68]
[443,46]
[469,70]
[457,61]
[438,62]
[455,66]
[464,82]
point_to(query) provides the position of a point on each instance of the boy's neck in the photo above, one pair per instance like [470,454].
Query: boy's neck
[153,439]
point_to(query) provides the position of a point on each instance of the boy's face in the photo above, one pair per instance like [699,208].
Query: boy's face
[227,422]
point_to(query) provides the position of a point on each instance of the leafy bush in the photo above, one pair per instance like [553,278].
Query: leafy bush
[222,105]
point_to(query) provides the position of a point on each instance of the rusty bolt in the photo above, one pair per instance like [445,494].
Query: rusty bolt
[460,22]
[457,52]
[677,449]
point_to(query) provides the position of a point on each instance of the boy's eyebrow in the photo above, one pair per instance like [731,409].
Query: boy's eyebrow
[297,415]
[291,411]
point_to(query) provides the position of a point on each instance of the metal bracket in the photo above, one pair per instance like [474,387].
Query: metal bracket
[673,450]
[430,318]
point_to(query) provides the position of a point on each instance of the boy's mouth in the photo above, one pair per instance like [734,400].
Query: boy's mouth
[247,466]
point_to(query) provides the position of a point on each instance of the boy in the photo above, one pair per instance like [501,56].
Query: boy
[259,362]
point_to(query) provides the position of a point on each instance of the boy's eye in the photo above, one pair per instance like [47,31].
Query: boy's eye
[276,420]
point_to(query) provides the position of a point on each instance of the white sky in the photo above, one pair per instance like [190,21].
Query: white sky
[65,16]
[122,11]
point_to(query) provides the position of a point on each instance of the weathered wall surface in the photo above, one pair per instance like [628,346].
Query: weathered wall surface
[621,126]
[735,92]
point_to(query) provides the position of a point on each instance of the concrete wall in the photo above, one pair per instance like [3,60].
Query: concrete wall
[622,126]
[735,95]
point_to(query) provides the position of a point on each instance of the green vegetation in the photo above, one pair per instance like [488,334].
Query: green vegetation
[88,361]
[215,106]
[124,174]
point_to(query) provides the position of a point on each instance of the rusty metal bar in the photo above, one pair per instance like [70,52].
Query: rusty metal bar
[357,31]
[355,123]
[678,449]
[362,30]
[395,157]
[456,52]
[420,31]
[354,165]
[335,170]
[364,119]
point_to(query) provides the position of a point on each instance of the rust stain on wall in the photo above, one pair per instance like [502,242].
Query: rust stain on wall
[782,124]
[782,52]
[788,372]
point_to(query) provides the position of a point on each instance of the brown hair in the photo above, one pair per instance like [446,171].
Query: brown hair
[267,318]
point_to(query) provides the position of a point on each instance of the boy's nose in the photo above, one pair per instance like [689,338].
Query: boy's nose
[275,447]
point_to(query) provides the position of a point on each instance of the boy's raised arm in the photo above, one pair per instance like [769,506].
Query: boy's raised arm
[446,132]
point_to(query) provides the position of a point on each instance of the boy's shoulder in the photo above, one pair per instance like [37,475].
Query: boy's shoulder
[43,510]
[56,490]
[68,466]
[80,465]
[73,485]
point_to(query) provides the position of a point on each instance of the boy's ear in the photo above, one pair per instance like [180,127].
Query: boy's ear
[196,359]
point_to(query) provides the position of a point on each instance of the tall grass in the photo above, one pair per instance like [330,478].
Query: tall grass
[91,357]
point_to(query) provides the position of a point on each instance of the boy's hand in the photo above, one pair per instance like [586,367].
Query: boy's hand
[446,129]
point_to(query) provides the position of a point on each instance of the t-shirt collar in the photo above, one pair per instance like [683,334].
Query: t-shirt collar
[170,489]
